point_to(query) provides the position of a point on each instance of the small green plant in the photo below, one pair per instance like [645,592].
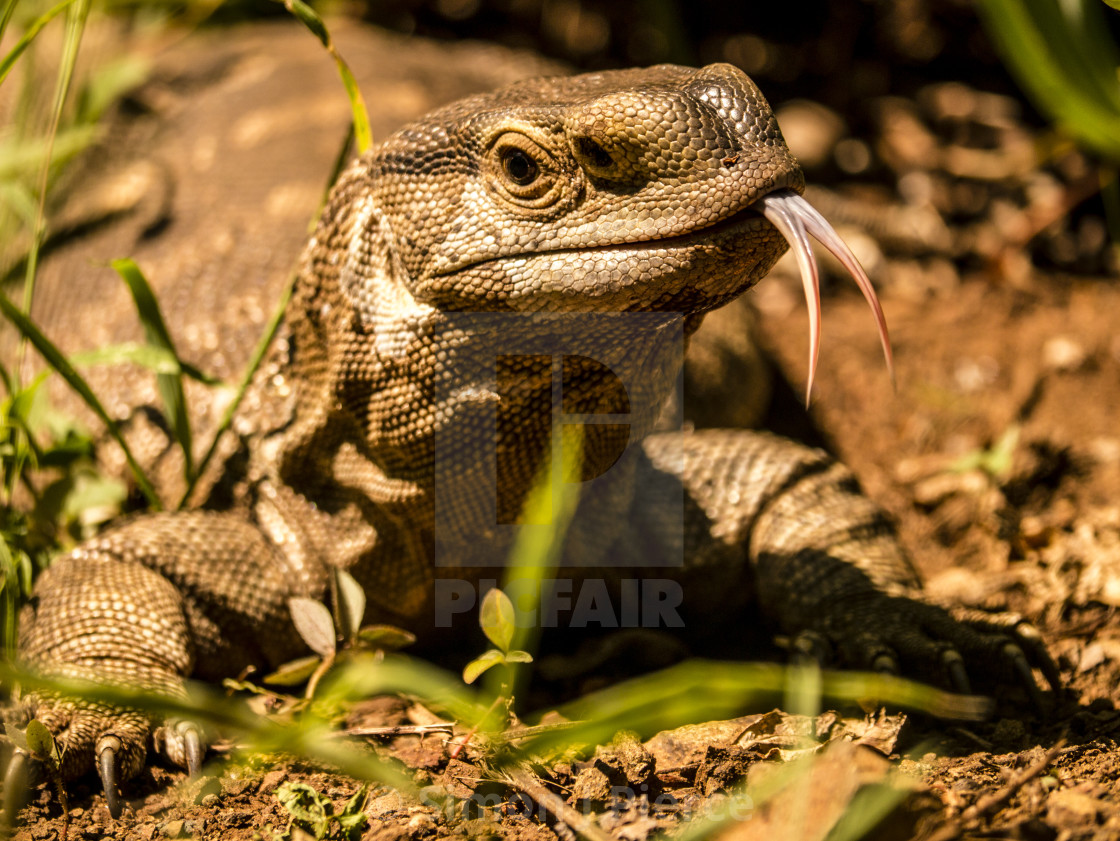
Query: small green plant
[995,461]
[313,813]
[331,633]
[497,619]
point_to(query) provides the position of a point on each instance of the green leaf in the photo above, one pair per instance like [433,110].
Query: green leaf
[93,495]
[20,154]
[16,737]
[170,385]
[350,603]
[156,359]
[996,461]
[360,115]
[497,618]
[64,369]
[306,806]
[487,660]
[40,743]
[351,819]
[294,673]
[314,623]
[517,656]
[386,637]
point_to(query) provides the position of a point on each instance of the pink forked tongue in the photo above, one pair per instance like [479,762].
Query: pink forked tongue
[795,218]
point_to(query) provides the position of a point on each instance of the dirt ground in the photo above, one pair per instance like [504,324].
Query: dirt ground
[1006,330]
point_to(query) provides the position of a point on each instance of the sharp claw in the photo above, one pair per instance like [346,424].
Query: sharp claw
[15,791]
[1026,676]
[885,663]
[107,749]
[958,677]
[809,648]
[1029,634]
[192,746]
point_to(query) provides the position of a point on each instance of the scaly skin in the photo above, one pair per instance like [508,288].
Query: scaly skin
[592,219]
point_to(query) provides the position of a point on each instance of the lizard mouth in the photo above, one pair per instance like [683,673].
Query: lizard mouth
[796,220]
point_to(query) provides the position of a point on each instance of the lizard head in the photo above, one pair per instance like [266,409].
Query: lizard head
[661,189]
[612,192]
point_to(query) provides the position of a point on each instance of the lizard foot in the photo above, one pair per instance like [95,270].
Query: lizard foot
[111,739]
[899,635]
[88,735]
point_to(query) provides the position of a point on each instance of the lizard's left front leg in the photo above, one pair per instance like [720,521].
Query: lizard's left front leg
[147,604]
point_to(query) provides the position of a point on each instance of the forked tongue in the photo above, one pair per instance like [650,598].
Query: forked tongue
[796,219]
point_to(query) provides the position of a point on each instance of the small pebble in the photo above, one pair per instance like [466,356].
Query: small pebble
[973,375]
[1062,353]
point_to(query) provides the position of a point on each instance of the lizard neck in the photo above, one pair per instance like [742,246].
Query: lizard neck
[442,421]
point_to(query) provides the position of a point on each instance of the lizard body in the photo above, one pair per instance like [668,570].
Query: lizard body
[409,401]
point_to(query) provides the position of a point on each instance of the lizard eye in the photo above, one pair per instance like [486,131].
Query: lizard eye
[523,171]
[519,167]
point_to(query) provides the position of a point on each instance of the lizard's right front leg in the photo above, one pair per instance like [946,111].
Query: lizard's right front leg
[147,604]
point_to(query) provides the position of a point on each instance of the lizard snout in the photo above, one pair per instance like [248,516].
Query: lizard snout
[715,119]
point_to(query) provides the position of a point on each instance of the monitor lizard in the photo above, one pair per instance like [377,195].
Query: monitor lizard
[570,231]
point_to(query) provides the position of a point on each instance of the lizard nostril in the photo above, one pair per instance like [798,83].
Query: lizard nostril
[590,152]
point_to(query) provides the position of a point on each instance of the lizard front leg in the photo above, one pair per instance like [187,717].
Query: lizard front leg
[827,568]
[160,598]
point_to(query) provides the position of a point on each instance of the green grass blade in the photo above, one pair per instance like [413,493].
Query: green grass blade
[170,384]
[308,738]
[1064,58]
[9,60]
[75,26]
[698,690]
[242,386]
[9,599]
[64,369]
[308,17]
[536,552]
[6,16]
[18,155]
[158,360]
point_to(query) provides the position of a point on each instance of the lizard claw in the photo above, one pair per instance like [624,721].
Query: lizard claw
[193,742]
[898,634]
[954,666]
[1031,641]
[181,743]
[107,749]
[1025,674]
[810,648]
[885,663]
